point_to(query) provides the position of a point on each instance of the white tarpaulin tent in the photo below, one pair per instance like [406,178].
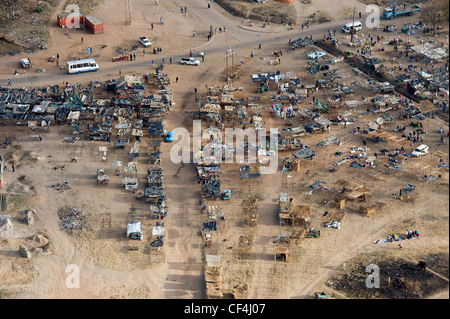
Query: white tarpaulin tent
[134,228]
[158,231]
[430,51]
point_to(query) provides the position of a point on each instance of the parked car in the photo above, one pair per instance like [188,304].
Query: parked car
[25,63]
[145,42]
[189,61]
[169,137]
[420,150]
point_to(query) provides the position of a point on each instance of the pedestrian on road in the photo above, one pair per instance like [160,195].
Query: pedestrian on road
[13,168]
[9,82]
[209,4]
[185,9]
[134,57]
[131,57]
[203,58]
[152,26]
[176,80]
[259,47]
[170,60]
[193,33]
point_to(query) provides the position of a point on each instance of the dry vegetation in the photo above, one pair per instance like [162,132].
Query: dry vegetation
[400,277]
[26,28]
[273,12]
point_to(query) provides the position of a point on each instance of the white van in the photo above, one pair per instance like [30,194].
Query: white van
[357,25]
[420,151]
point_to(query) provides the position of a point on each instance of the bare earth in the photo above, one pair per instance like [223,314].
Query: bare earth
[107,268]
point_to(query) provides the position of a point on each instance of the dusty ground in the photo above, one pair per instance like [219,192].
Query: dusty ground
[109,270]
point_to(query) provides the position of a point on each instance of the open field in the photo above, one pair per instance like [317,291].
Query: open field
[53,203]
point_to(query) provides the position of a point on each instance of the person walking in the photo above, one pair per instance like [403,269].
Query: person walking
[176,80]
[152,26]
[209,4]
[9,82]
[170,60]
[13,168]
[134,57]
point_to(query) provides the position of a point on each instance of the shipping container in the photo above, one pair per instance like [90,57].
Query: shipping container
[93,24]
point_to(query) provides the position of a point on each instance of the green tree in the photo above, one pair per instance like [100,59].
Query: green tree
[433,13]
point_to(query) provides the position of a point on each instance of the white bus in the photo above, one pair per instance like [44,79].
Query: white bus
[356,26]
[79,66]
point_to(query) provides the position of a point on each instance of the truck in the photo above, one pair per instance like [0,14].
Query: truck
[145,42]
[189,61]
[392,12]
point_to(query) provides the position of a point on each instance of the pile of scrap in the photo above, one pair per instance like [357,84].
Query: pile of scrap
[102,177]
[73,219]
[211,189]
[130,183]
[248,171]
[215,213]
[290,165]
[157,240]
[154,177]
[301,43]
[154,195]
[210,112]
[304,153]
[207,171]
[120,143]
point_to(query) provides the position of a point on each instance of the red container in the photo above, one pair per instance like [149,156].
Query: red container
[93,24]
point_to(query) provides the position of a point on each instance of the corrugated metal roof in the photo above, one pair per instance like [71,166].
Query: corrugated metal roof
[93,20]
